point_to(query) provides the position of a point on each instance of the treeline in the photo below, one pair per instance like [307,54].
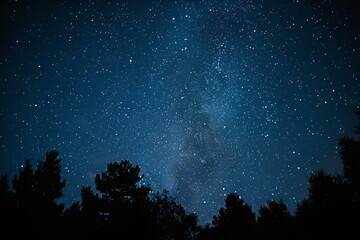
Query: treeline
[124,208]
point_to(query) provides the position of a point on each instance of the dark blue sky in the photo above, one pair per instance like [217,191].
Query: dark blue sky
[208,97]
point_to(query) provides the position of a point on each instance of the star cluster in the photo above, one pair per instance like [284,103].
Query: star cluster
[208,97]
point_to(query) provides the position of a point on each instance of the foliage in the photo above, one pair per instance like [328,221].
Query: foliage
[333,201]
[121,205]
[235,219]
[121,182]
[275,220]
[31,202]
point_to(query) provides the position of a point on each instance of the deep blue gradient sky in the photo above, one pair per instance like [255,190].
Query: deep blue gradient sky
[208,97]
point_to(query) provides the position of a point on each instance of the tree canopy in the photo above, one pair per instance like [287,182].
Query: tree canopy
[120,204]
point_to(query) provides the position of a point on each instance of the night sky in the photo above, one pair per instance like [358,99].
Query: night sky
[207,97]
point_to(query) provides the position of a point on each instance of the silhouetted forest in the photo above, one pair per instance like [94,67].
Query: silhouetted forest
[123,208]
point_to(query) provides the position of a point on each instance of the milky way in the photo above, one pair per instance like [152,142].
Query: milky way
[208,97]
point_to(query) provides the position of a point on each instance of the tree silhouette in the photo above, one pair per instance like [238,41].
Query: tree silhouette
[121,205]
[327,209]
[208,232]
[32,200]
[120,183]
[171,219]
[8,210]
[274,220]
[75,225]
[333,201]
[235,220]
[48,183]
[5,193]
[350,156]
[357,125]
[84,219]
[23,186]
